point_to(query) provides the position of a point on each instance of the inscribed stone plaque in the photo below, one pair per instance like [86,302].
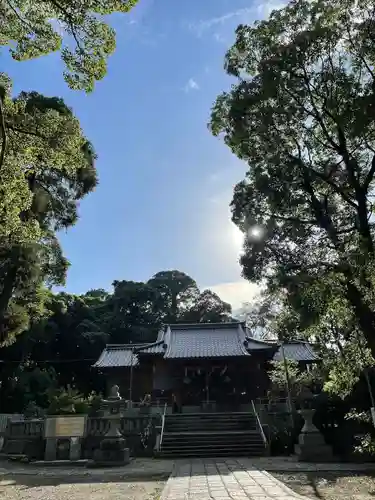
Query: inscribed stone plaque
[60,427]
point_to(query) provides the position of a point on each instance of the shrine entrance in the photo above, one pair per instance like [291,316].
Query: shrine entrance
[218,385]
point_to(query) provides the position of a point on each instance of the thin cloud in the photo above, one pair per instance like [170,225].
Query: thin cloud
[203,26]
[191,85]
[247,15]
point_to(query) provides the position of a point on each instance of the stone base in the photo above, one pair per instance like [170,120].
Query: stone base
[312,448]
[112,453]
[97,464]
[60,463]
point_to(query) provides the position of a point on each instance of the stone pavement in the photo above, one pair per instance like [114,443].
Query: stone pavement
[224,479]
[291,464]
[138,469]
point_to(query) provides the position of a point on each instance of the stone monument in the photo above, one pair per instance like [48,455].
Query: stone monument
[311,445]
[63,435]
[113,450]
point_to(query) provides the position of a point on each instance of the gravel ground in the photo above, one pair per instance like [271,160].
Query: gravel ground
[32,488]
[330,485]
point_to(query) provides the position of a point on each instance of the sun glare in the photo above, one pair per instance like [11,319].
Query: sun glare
[255,233]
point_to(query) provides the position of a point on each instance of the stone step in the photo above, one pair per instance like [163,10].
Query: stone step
[210,439]
[199,453]
[249,432]
[212,414]
[213,428]
[212,434]
[212,446]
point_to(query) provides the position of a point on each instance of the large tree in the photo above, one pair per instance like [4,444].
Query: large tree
[178,292]
[76,28]
[302,116]
[136,312]
[208,308]
[48,167]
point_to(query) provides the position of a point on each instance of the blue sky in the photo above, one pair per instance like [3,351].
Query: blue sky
[165,182]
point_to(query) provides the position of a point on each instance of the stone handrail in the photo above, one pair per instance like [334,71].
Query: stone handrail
[259,424]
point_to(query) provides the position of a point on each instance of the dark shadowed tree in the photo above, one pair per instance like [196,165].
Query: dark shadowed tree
[302,116]
[136,312]
[178,292]
[208,308]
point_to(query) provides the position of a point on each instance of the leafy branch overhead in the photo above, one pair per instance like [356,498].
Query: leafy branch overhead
[33,28]
[44,144]
[47,169]
[302,116]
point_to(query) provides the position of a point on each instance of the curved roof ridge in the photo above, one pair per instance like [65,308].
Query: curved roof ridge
[260,341]
[208,326]
[242,341]
[124,346]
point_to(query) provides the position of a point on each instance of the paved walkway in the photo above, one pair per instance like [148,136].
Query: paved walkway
[222,479]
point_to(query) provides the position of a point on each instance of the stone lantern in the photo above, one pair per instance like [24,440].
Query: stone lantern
[311,445]
[113,450]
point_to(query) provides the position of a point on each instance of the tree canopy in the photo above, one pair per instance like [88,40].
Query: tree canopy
[46,169]
[63,343]
[302,116]
[76,28]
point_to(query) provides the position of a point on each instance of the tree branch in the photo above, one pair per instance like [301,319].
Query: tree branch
[323,177]
[335,187]
[3,133]
[370,175]
[293,219]
[27,132]
[69,21]
[30,27]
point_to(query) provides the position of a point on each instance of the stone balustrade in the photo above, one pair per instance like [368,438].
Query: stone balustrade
[25,438]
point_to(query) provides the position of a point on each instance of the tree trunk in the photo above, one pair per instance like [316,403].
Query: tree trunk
[7,288]
[174,309]
[365,316]
[363,223]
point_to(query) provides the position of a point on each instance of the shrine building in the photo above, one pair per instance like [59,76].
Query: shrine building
[217,366]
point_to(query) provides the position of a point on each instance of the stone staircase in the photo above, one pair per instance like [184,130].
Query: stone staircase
[211,435]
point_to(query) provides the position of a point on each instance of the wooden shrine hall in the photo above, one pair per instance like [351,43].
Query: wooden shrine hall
[218,366]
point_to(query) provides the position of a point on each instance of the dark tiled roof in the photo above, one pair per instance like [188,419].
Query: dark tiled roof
[297,351]
[118,356]
[154,348]
[258,345]
[205,341]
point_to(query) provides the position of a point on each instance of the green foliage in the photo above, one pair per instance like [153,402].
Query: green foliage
[75,28]
[70,331]
[347,368]
[281,434]
[66,402]
[177,291]
[48,167]
[301,116]
[207,308]
[299,381]
[95,401]
[28,386]
[32,410]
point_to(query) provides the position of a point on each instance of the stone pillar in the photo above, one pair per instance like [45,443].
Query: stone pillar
[50,449]
[311,445]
